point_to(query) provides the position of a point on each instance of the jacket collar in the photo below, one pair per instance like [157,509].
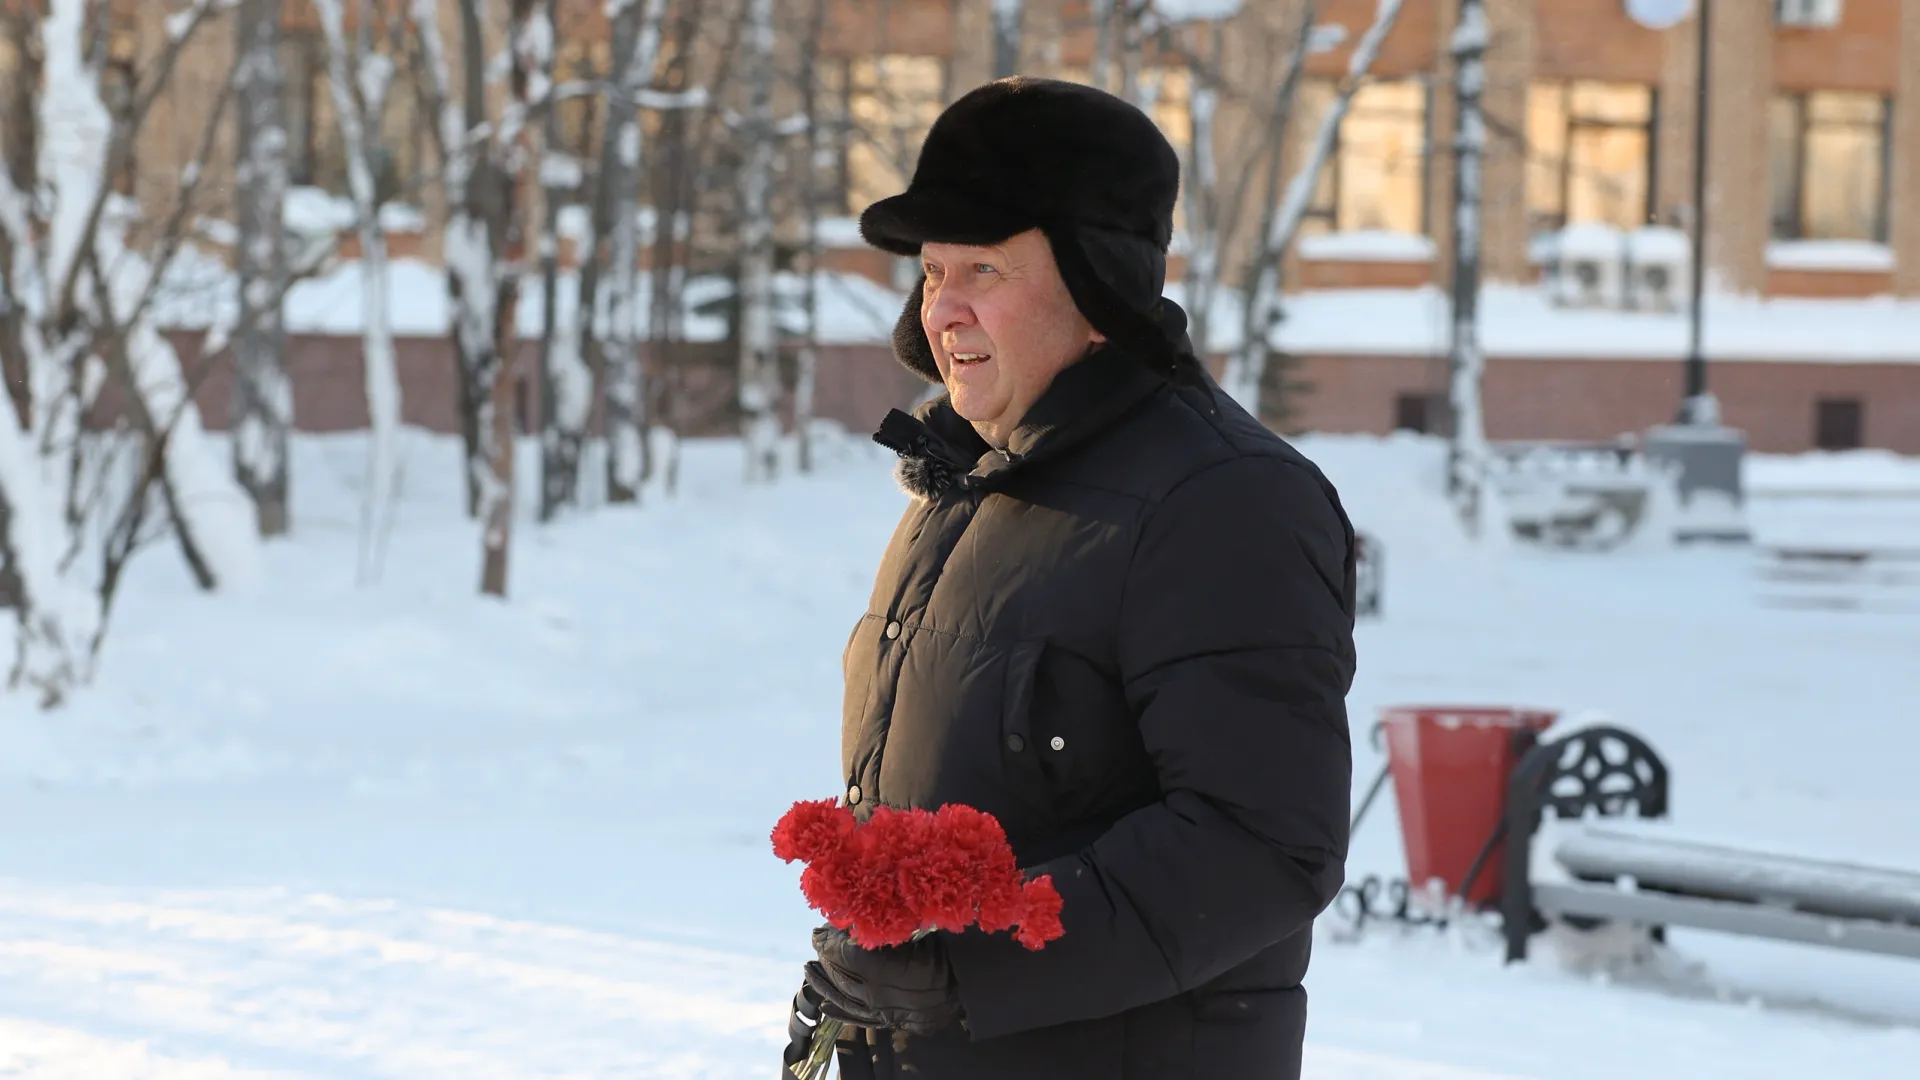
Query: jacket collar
[940,451]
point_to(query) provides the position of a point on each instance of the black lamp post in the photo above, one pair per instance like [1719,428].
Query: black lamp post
[1696,407]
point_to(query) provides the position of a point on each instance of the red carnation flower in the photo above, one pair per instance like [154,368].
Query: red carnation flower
[1040,921]
[902,874]
[812,830]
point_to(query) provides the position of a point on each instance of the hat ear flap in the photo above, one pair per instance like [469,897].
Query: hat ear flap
[910,345]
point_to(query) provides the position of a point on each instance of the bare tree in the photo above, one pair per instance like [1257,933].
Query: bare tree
[358,77]
[1007,16]
[77,505]
[1247,369]
[476,223]
[262,409]
[687,177]
[1467,447]
[816,155]
[759,387]
[636,40]
[566,386]
[483,162]
[1101,12]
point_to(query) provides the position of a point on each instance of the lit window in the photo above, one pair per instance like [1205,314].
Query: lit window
[1828,165]
[577,115]
[120,88]
[1589,154]
[1376,177]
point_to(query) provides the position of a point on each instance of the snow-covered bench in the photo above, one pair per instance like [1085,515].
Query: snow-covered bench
[1663,881]
[1643,876]
[1573,494]
[1840,576]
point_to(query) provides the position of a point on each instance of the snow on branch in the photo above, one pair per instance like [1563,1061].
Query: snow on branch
[1300,189]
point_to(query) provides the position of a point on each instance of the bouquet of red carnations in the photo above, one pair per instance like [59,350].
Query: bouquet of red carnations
[902,874]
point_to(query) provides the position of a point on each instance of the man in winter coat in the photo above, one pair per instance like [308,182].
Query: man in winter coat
[1117,615]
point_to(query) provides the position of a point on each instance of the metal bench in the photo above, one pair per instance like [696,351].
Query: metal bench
[1633,876]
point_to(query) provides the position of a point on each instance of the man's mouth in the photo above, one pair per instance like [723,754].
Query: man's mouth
[965,358]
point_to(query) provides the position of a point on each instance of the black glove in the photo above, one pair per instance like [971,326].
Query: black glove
[906,988]
[801,1021]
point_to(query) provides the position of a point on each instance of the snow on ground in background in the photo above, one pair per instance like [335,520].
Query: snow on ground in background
[1862,472]
[315,210]
[200,291]
[322,831]
[1856,255]
[1368,245]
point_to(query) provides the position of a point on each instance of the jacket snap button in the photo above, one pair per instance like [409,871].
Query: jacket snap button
[1016,744]
[1058,743]
[853,795]
[893,630]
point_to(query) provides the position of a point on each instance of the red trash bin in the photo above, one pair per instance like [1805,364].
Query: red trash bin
[1450,768]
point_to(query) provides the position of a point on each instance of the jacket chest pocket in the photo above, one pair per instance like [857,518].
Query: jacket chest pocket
[1066,725]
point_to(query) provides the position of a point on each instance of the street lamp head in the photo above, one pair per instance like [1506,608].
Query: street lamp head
[1659,14]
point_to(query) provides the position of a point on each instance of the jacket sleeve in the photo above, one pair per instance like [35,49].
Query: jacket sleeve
[1236,650]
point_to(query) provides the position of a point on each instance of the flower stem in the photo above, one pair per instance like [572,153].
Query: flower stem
[820,1051]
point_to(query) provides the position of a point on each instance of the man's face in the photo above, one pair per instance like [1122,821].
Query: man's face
[1002,325]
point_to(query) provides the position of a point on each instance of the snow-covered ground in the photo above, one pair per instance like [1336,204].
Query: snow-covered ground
[316,830]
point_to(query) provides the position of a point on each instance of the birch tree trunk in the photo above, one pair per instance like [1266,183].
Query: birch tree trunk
[530,47]
[759,373]
[676,187]
[357,104]
[1467,447]
[1202,194]
[1247,368]
[1007,16]
[1133,14]
[79,310]
[817,154]
[474,206]
[1101,70]
[566,386]
[636,42]
[262,408]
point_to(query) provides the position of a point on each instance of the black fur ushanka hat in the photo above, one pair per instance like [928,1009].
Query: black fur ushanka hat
[1088,169]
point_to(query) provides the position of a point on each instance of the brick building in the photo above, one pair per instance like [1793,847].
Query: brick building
[1813,247]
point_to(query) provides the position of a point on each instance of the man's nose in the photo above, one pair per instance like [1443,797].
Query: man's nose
[947,309]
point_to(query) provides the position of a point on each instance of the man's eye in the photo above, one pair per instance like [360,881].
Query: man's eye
[984,268]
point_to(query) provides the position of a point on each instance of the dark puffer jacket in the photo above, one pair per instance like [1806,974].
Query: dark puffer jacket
[1130,638]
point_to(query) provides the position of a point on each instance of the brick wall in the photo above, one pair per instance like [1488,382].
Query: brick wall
[1595,399]
[1905,225]
[1773,401]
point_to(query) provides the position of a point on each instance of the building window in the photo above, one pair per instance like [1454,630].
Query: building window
[1837,424]
[1828,165]
[891,102]
[1376,177]
[578,115]
[20,75]
[399,146]
[303,65]
[1590,154]
[119,92]
[1415,413]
